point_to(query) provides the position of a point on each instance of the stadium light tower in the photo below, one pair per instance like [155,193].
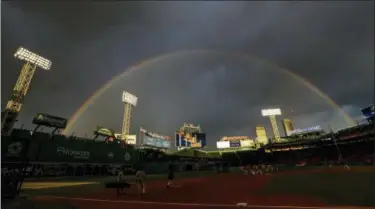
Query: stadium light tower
[271,113]
[129,100]
[32,61]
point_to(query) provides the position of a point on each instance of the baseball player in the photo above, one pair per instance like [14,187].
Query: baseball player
[140,179]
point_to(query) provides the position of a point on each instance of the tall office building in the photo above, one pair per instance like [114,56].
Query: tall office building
[288,126]
[261,135]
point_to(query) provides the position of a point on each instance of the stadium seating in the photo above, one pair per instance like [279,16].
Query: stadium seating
[354,145]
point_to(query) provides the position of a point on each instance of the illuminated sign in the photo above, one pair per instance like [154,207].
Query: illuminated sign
[154,135]
[155,140]
[190,139]
[49,121]
[130,139]
[222,144]
[234,143]
[269,112]
[234,138]
[190,128]
[247,143]
[305,130]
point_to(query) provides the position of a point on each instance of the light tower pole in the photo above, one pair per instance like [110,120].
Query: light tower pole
[129,100]
[271,113]
[14,105]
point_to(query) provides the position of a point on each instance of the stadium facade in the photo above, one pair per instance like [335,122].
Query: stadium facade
[287,126]
[56,154]
[261,135]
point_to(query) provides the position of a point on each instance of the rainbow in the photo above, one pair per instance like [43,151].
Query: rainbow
[166,56]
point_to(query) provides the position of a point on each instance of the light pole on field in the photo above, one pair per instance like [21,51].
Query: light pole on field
[14,105]
[129,101]
[271,113]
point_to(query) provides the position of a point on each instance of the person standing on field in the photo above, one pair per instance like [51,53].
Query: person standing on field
[141,178]
[171,169]
[120,179]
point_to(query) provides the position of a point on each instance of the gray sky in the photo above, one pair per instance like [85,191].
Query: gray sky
[330,44]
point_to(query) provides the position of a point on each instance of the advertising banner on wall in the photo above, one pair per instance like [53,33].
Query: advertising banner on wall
[222,144]
[305,130]
[247,143]
[235,144]
[196,140]
[234,138]
[155,140]
[73,153]
[63,151]
[50,121]
[130,139]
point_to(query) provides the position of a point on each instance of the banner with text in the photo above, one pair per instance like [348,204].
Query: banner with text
[234,138]
[130,139]
[155,140]
[247,143]
[305,130]
[50,121]
[235,144]
[222,144]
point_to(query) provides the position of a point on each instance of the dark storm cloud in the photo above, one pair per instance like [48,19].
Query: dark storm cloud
[330,43]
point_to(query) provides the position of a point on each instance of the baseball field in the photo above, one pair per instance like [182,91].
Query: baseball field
[313,188]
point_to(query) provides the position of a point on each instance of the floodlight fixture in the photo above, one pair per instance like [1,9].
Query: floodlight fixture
[269,112]
[28,56]
[129,98]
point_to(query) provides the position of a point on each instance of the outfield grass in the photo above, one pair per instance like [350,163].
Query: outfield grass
[348,188]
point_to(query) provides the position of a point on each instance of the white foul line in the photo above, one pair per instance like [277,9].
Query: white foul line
[195,204]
